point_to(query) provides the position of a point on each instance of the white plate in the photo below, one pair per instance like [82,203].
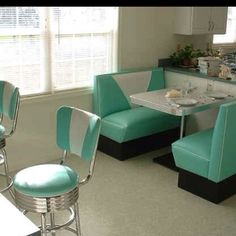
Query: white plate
[186,101]
[217,95]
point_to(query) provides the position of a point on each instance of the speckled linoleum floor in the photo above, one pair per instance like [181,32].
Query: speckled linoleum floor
[137,197]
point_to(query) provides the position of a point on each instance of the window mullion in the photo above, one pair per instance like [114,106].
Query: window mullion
[73,58]
[92,60]
[46,52]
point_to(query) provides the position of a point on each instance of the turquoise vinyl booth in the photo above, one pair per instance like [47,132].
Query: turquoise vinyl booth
[128,129]
[207,159]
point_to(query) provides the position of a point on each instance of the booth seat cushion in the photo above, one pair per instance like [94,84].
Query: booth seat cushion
[135,123]
[192,152]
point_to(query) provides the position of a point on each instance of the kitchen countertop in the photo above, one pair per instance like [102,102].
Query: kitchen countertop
[194,72]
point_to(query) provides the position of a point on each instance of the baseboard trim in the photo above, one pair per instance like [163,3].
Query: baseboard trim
[205,188]
[126,150]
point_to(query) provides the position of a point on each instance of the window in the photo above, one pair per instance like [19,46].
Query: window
[47,49]
[230,36]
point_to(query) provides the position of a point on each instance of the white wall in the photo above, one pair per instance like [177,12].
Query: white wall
[145,34]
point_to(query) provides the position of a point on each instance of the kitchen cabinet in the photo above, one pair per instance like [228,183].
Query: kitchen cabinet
[200,20]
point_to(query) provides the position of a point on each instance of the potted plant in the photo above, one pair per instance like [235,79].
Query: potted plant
[186,56]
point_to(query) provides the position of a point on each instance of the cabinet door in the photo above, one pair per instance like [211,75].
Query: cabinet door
[201,20]
[219,20]
[183,20]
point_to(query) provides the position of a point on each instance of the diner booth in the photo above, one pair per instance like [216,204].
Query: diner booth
[205,158]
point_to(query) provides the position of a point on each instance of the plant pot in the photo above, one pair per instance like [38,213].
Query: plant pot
[187,62]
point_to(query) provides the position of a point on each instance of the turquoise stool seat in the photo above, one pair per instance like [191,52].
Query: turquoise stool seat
[206,159]
[49,188]
[55,180]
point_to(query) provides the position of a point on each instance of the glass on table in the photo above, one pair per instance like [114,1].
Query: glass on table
[210,85]
[186,87]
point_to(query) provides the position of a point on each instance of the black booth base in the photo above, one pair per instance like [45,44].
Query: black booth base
[166,160]
[126,150]
[205,188]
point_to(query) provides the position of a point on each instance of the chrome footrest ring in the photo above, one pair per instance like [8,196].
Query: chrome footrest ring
[64,226]
[9,184]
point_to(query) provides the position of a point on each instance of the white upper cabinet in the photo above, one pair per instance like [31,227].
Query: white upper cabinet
[200,20]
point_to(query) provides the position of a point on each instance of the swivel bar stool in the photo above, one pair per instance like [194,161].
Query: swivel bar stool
[9,107]
[49,188]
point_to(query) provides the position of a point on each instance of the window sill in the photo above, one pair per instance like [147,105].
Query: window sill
[56,95]
[227,47]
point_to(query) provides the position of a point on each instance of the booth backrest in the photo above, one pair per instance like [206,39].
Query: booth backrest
[112,91]
[223,149]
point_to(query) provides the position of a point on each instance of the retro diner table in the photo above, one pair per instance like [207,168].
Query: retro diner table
[193,102]
[13,222]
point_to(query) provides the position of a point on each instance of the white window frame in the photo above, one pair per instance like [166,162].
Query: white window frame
[47,62]
[226,47]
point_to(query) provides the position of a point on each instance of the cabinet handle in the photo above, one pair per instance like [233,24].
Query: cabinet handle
[213,26]
[209,25]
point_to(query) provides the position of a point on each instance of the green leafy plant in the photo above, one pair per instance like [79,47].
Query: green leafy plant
[186,52]
[198,53]
[175,59]
[186,56]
